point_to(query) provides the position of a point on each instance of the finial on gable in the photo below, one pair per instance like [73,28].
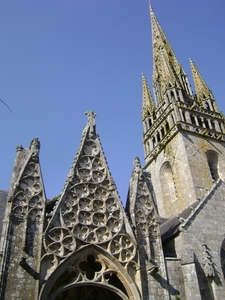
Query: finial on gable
[137,164]
[91,120]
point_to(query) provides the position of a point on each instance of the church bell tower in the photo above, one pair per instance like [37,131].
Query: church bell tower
[184,135]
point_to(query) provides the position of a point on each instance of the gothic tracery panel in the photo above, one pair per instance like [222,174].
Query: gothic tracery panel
[89,210]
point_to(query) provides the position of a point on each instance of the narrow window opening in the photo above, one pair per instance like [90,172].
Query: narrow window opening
[212,159]
[149,122]
[207,105]
[200,122]
[183,115]
[153,142]
[206,124]
[172,95]
[162,132]
[167,127]
[158,137]
[193,120]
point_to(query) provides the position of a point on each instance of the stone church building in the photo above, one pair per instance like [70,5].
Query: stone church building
[169,241]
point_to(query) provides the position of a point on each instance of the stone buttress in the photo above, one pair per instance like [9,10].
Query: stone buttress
[142,210]
[23,227]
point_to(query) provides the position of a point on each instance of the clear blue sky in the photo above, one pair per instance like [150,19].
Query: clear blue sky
[59,59]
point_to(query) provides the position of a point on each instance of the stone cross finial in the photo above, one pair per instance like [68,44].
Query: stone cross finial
[137,164]
[91,117]
[91,120]
[35,147]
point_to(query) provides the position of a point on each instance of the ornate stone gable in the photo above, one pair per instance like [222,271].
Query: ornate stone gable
[143,213]
[27,199]
[89,210]
[23,224]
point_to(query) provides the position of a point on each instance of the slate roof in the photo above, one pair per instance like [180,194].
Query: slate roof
[170,227]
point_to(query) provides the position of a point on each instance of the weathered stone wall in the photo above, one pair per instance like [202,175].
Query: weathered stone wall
[175,278]
[191,177]
[175,154]
[3,198]
[21,240]
[200,243]
[21,275]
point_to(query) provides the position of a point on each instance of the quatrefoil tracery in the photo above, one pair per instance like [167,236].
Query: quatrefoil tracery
[145,211]
[62,241]
[90,210]
[28,196]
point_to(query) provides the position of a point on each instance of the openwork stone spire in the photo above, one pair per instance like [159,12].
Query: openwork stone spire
[202,90]
[143,213]
[89,211]
[23,224]
[147,101]
[27,196]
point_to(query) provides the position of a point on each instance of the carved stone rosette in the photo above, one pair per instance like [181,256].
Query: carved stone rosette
[89,210]
[144,215]
[28,198]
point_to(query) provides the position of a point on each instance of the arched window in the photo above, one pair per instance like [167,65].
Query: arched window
[167,185]
[158,137]
[167,127]
[193,119]
[172,96]
[153,142]
[149,122]
[200,121]
[212,158]
[207,105]
[162,132]
[183,115]
[206,121]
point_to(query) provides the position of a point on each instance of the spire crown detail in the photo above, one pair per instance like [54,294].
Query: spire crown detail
[201,89]
[147,101]
[167,71]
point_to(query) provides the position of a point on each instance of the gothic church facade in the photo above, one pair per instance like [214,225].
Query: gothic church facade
[168,243]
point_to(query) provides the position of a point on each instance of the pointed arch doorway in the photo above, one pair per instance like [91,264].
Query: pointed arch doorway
[89,273]
[87,292]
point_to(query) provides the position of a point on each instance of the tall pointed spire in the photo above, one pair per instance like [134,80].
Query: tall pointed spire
[159,43]
[167,71]
[202,91]
[147,101]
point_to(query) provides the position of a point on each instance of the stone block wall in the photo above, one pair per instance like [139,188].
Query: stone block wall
[200,243]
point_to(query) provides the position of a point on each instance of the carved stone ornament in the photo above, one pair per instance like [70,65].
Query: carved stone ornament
[85,270]
[89,210]
[208,263]
[137,164]
[145,216]
[28,198]
[90,273]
